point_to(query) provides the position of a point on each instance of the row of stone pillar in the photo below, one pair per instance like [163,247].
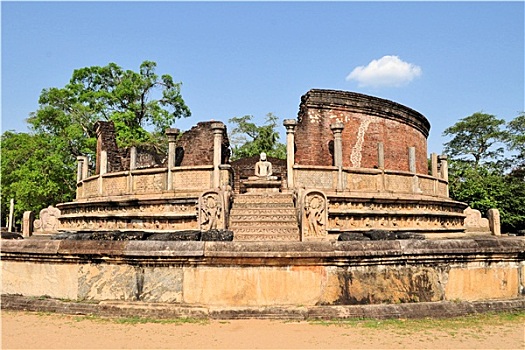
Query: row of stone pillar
[337,130]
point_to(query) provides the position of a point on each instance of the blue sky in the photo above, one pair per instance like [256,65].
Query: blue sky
[446,60]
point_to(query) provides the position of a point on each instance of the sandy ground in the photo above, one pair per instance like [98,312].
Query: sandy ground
[23,330]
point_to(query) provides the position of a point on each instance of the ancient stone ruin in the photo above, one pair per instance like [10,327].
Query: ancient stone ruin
[355,164]
[353,216]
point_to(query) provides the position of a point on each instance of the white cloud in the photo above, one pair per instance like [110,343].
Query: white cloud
[386,71]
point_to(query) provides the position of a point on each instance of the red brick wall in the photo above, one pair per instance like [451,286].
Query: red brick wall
[197,144]
[367,121]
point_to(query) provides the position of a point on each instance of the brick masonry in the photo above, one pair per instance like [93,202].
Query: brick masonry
[195,146]
[367,121]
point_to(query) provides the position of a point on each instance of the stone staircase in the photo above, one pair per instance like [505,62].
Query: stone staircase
[264,217]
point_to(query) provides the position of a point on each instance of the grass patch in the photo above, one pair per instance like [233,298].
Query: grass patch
[448,325]
[140,320]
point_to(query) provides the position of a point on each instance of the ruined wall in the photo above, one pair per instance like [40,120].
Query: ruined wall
[367,121]
[195,146]
[107,141]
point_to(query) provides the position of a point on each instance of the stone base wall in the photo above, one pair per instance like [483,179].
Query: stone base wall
[418,214]
[256,274]
[131,213]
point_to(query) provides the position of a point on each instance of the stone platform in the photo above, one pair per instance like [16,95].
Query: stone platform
[121,309]
[257,274]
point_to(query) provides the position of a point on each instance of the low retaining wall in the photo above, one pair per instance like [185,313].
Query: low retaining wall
[248,274]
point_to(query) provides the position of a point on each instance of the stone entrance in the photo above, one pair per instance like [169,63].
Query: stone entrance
[264,217]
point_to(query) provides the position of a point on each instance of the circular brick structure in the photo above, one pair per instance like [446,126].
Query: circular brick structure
[368,121]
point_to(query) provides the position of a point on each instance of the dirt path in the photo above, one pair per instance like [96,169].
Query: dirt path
[22,330]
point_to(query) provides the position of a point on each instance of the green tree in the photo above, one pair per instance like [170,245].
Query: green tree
[110,93]
[248,139]
[484,182]
[476,136]
[516,137]
[37,171]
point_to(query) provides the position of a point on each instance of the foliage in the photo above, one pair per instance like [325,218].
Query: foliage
[37,171]
[112,94]
[477,136]
[516,138]
[249,139]
[486,182]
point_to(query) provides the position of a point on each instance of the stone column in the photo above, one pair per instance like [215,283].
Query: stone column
[218,130]
[412,159]
[290,125]
[172,134]
[133,158]
[443,167]
[27,223]
[103,162]
[434,164]
[494,221]
[380,155]
[337,129]
[10,224]
[82,168]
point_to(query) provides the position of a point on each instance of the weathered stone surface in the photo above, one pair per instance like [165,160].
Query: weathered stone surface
[494,221]
[481,283]
[108,282]
[403,284]
[27,223]
[11,235]
[250,286]
[187,235]
[37,279]
[171,311]
[160,284]
[217,235]
[352,236]
[48,221]
[474,223]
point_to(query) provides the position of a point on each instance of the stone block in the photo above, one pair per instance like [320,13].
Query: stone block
[108,282]
[39,279]
[494,221]
[474,223]
[481,283]
[27,223]
[254,286]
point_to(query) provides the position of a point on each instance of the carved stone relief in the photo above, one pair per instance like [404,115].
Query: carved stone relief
[314,215]
[49,220]
[212,214]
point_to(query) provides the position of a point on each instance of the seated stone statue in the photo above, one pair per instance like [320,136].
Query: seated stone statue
[263,169]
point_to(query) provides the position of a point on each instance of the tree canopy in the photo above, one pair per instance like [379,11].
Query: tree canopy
[477,135]
[480,174]
[248,139]
[134,101]
[38,169]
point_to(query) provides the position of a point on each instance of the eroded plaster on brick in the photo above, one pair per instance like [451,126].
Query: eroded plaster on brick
[355,156]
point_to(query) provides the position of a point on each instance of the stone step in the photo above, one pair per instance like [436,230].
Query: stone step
[260,218]
[259,206]
[263,225]
[266,237]
[286,198]
[263,212]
